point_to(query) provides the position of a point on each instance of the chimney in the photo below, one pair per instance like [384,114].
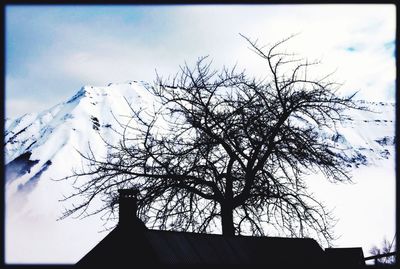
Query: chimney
[127,207]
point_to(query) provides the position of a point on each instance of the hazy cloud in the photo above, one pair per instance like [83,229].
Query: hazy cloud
[54,50]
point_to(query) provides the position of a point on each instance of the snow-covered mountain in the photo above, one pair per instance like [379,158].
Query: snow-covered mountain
[43,146]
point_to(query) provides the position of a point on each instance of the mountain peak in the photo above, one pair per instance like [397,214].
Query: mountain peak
[94,106]
[129,89]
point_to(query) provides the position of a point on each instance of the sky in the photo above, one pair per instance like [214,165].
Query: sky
[54,50]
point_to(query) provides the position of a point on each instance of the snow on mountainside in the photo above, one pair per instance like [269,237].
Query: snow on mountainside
[44,146]
[33,141]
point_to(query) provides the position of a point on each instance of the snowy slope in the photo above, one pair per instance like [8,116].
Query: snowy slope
[365,208]
[42,138]
[41,147]
[370,134]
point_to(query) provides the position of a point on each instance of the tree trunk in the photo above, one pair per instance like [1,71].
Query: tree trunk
[227,206]
[227,219]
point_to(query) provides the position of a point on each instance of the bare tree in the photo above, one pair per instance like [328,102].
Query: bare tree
[224,147]
[386,248]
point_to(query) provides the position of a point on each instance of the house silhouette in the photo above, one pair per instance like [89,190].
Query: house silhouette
[132,245]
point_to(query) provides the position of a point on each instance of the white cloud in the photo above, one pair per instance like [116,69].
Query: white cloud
[113,50]
[325,31]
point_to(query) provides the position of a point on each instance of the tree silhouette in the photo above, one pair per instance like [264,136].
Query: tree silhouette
[386,248]
[224,148]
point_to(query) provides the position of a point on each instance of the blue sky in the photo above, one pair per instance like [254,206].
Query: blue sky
[51,51]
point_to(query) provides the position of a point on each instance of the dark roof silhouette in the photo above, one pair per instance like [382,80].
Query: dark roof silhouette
[132,245]
[190,249]
[345,257]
